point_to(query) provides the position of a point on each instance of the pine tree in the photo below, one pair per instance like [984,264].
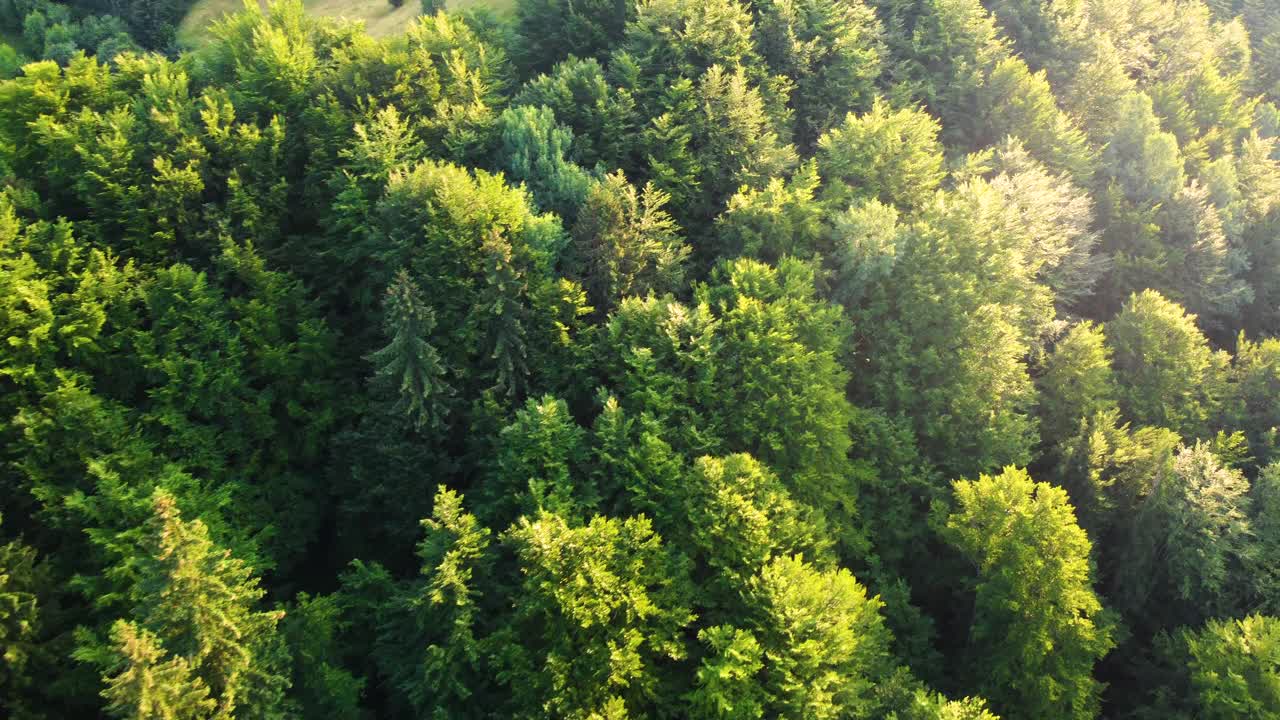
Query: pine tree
[829,50]
[534,149]
[627,243]
[890,155]
[149,687]
[825,644]
[1076,383]
[538,465]
[727,688]
[1235,668]
[502,314]
[408,365]
[197,603]
[1190,545]
[600,615]
[430,651]
[1167,375]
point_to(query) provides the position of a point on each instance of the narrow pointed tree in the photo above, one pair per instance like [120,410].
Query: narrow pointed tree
[198,603]
[429,650]
[149,686]
[627,242]
[502,312]
[409,364]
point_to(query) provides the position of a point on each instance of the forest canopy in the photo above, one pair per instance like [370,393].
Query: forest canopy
[709,359]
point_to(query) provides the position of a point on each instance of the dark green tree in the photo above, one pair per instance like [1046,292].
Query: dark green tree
[409,366]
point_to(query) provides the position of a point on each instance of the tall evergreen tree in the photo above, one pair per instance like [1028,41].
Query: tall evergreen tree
[194,606]
[409,365]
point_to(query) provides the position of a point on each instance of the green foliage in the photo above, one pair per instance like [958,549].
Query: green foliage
[1020,103]
[1057,216]
[714,137]
[1077,382]
[601,115]
[1254,386]
[11,61]
[824,642]
[552,30]
[537,458]
[626,243]
[890,155]
[603,606]
[22,580]
[943,332]
[736,516]
[941,52]
[1110,469]
[782,219]
[147,687]
[925,706]
[1042,32]
[194,606]
[409,365]
[726,686]
[752,367]
[1038,628]
[315,630]
[452,550]
[699,303]
[830,51]
[671,39]
[1167,373]
[1233,667]
[1191,542]
[1141,158]
[534,150]
[1262,571]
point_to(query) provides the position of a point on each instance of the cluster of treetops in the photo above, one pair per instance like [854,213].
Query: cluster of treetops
[799,359]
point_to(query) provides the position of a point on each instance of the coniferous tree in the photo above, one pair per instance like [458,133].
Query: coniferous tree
[830,51]
[194,606]
[22,581]
[602,608]
[146,686]
[627,243]
[409,366]
[1190,542]
[1077,382]
[825,644]
[534,149]
[892,156]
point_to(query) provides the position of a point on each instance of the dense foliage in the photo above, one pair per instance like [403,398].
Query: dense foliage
[803,359]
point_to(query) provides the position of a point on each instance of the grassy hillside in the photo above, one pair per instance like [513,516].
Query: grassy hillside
[380,18]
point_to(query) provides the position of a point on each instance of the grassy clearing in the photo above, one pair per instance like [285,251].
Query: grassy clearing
[380,19]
